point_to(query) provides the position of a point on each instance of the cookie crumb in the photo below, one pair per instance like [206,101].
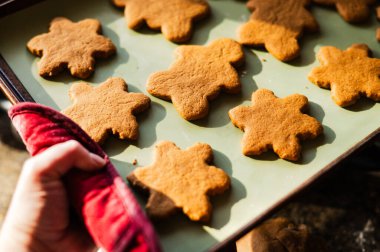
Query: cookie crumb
[264,60]
[134,162]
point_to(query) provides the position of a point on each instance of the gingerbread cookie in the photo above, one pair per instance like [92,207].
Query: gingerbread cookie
[351,10]
[197,76]
[274,123]
[107,108]
[277,24]
[279,235]
[181,179]
[70,45]
[349,74]
[174,17]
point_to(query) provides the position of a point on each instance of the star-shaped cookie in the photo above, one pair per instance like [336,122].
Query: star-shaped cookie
[197,76]
[275,123]
[70,45]
[352,11]
[174,17]
[107,108]
[277,24]
[181,179]
[349,74]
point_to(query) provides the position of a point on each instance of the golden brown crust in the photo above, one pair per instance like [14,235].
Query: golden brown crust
[105,109]
[349,74]
[70,45]
[173,17]
[352,11]
[277,24]
[274,123]
[197,77]
[181,179]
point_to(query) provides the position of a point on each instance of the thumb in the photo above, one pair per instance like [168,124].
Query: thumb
[57,160]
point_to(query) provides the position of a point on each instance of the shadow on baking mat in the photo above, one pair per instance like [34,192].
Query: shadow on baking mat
[105,68]
[223,203]
[307,45]
[309,147]
[221,207]
[148,122]
[222,12]
[361,105]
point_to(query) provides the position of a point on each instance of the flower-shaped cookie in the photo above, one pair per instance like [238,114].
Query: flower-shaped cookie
[277,24]
[70,45]
[181,179]
[197,76]
[349,74]
[275,123]
[351,10]
[174,17]
[107,108]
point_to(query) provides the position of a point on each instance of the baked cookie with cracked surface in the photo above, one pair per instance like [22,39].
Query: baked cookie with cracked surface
[106,109]
[198,75]
[277,25]
[352,11]
[275,123]
[349,74]
[181,179]
[174,18]
[70,45]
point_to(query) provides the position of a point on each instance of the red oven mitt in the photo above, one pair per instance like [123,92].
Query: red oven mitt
[107,207]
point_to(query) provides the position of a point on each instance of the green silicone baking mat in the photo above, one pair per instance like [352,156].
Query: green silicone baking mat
[258,184]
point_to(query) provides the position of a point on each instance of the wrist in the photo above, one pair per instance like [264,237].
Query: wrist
[10,240]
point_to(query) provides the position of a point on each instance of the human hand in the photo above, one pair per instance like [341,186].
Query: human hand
[38,218]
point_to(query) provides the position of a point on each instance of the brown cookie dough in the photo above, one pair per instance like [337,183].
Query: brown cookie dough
[174,17]
[70,45]
[197,76]
[277,24]
[352,11]
[105,109]
[275,123]
[279,235]
[181,179]
[349,74]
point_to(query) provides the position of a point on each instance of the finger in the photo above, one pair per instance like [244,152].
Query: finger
[59,159]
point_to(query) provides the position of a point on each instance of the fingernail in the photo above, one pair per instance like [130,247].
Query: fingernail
[98,161]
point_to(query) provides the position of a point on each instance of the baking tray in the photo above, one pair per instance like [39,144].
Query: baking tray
[260,184]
